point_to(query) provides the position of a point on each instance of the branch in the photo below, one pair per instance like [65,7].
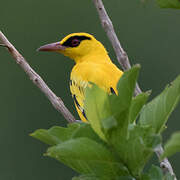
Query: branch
[37,80]
[165,164]
[121,55]
[123,60]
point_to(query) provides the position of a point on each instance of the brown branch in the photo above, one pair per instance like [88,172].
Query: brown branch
[121,55]
[37,80]
[165,164]
[123,60]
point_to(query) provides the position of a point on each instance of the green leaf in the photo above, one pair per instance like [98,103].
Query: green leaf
[172,146]
[155,173]
[136,105]
[85,130]
[156,112]
[109,117]
[137,149]
[56,134]
[120,105]
[95,98]
[126,85]
[169,4]
[105,111]
[44,136]
[87,157]
[86,177]
[133,144]
[168,176]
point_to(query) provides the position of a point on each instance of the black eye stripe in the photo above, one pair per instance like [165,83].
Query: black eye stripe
[68,42]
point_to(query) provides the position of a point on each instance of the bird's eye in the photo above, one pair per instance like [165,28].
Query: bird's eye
[75,42]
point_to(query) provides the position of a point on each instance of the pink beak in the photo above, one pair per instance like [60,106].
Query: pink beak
[52,47]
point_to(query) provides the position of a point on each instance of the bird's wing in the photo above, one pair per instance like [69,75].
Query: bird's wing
[77,88]
[104,75]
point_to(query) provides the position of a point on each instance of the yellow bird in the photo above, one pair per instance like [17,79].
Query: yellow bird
[92,65]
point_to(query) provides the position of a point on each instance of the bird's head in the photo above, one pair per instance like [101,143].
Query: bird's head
[76,46]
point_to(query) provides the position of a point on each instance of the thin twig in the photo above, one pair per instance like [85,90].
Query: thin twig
[121,55]
[37,80]
[165,164]
[123,60]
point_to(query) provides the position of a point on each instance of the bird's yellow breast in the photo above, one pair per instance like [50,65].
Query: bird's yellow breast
[104,74]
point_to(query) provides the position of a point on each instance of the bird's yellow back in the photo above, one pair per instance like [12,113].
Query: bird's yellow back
[92,65]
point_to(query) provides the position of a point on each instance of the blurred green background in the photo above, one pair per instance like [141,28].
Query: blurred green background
[150,36]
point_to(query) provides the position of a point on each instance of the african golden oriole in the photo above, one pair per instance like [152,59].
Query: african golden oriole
[92,65]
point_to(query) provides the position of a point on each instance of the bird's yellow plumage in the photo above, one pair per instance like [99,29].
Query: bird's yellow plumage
[92,65]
